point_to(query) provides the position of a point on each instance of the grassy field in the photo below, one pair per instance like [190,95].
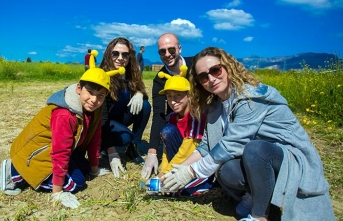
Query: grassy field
[311,96]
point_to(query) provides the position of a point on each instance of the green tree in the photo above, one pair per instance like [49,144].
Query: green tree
[28,59]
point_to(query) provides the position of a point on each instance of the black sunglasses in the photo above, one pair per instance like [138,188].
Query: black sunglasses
[215,71]
[163,51]
[124,55]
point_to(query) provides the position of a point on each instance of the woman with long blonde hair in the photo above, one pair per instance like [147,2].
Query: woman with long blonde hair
[253,143]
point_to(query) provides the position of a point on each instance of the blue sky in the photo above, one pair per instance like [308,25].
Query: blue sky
[63,30]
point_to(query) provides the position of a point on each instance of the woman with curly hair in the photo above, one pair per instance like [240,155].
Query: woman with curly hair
[253,143]
[126,104]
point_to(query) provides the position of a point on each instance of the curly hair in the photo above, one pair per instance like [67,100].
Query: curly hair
[238,75]
[133,75]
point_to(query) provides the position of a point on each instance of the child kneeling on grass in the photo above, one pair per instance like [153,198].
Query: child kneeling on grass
[49,154]
[182,133]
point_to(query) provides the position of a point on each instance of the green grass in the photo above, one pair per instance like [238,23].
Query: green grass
[316,94]
[315,98]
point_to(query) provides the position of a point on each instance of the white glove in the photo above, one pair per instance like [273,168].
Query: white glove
[205,167]
[115,164]
[178,177]
[66,198]
[136,103]
[151,162]
[101,172]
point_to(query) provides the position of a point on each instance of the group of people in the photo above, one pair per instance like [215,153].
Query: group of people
[221,127]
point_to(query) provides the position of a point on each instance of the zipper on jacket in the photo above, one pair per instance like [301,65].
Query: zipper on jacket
[78,139]
[282,202]
[34,153]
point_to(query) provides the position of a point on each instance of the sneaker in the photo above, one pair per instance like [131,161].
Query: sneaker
[6,184]
[249,218]
[244,207]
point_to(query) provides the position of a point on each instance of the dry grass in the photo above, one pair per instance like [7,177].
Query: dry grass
[105,198]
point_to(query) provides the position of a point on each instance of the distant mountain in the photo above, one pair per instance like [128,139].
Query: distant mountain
[313,60]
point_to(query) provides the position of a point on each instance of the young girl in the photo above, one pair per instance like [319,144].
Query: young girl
[182,133]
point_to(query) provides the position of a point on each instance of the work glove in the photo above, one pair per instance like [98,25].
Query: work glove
[178,177]
[151,162]
[205,167]
[101,172]
[136,103]
[115,164]
[66,198]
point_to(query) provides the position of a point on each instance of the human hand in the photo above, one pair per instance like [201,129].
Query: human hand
[178,177]
[136,103]
[115,164]
[205,167]
[100,172]
[66,198]
[151,162]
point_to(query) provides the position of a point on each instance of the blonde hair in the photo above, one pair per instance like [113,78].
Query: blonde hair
[237,75]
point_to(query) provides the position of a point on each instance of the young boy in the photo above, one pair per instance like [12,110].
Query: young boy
[50,151]
[182,133]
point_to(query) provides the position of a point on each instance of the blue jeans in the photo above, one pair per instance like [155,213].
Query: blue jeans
[172,140]
[256,172]
[121,135]
[74,180]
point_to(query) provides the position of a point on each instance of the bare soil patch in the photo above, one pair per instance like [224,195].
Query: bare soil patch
[104,198]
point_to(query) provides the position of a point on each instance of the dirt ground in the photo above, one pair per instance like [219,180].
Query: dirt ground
[104,198]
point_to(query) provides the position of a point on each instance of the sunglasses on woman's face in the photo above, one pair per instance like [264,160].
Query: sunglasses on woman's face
[215,71]
[163,51]
[124,55]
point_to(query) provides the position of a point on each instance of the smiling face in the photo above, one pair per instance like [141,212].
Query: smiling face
[120,55]
[90,98]
[169,50]
[178,101]
[218,85]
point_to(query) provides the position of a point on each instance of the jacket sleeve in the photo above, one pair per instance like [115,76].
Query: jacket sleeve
[159,113]
[186,149]
[105,123]
[164,163]
[247,121]
[63,127]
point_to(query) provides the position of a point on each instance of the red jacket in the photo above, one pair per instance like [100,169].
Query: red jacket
[45,145]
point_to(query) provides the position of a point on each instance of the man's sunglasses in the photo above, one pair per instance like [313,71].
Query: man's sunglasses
[163,51]
[215,71]
[124,55]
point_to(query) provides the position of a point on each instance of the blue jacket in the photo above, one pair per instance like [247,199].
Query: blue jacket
[263,114]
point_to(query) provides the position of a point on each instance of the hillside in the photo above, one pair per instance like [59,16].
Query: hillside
[313,60]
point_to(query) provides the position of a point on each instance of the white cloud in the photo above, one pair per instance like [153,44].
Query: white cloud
[232,19]
[32,53]
[138,34]
[180,21]
[80,27]
[134,32]
[70,51]
[315,4]
[248,39]
[216,40]
[234,3]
